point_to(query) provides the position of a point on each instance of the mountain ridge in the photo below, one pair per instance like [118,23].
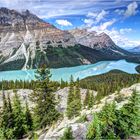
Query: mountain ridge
[135,49]
[26,42]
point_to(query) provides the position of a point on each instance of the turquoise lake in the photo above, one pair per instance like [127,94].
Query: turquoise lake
[78,71]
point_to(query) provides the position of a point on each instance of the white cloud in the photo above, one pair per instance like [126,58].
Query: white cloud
[103,26]
[118,36]
[63,22]
[101,15]
[131,9]
[92,14]
[52,8]
[94,17]
[125,30]
[89,22]
[119,11]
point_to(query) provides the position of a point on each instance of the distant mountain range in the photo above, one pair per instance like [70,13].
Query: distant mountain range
[27,41]
[135,49]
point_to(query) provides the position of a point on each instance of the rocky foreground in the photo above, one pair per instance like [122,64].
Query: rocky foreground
[79,127]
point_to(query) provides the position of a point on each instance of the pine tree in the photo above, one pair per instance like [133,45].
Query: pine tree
[71,91]
[78,95]
[62,84]
[77,90]
[128,122]
[45,103]
[94,129]
[103,125]
[108,118]
[91,100]
[28,117]
[70,98]
[73,109]
[7,120]
[18,117]
[135,110]
[4,113]
[86,100]
[74,100]
[11,121]
[4,100]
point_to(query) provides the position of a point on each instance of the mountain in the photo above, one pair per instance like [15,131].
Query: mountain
[135,49]
[24,38]
[101,42]
[27,41]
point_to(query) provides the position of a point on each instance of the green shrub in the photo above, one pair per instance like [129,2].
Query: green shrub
[67,134]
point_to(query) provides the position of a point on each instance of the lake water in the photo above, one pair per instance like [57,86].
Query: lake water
[78,71]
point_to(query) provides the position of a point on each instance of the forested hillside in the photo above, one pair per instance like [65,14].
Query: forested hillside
[109,82]
[18,121]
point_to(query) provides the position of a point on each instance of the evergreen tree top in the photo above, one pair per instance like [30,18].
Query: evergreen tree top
[43,73]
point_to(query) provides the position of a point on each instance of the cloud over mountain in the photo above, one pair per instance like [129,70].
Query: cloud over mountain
[63,22]
[95,14]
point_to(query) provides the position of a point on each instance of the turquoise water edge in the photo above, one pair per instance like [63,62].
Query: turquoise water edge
[77,72]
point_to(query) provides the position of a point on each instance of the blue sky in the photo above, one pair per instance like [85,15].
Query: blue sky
[120,19]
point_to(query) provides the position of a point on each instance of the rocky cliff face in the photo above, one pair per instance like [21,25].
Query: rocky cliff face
[23,34]
[97,41]
[26,41]
[25,27]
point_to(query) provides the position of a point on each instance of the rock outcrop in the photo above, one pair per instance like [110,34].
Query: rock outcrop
[79,129]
